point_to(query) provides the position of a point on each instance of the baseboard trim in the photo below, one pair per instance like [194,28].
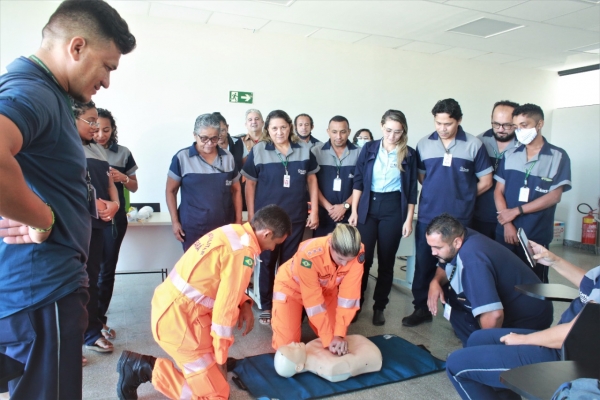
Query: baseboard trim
[590,248]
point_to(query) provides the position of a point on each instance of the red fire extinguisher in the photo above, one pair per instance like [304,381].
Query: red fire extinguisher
[589,226]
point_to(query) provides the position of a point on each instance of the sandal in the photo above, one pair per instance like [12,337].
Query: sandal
[101,346]
[108,333]
[265,318]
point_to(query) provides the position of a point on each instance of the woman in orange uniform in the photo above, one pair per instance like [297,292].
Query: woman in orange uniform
[324,277]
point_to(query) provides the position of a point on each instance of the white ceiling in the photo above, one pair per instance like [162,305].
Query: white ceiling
[554,37]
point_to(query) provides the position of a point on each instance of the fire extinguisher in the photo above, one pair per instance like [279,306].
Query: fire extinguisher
[589,226]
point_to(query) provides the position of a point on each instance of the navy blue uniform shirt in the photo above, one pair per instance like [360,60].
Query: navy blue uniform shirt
[120,158]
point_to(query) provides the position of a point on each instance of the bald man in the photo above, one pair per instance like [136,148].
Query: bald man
[46,222]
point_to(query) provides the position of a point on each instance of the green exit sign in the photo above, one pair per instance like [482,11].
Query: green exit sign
[241,97]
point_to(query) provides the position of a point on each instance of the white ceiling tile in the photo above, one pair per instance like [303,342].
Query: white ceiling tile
[340,36]
[592,49]
[497,58]
[485,6]
[585,19]
[288,29]
[460,52]
[131,7]
[236,21]
[422,47]
[383,41]
[529,63]
[161,10]
[541,10]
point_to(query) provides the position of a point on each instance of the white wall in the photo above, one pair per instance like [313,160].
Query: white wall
[577,130]
[181,69]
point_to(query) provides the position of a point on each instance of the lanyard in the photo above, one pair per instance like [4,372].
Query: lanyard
[212,166]
[452,274]
[447,150]
[498,158]
[338,167]
[528,171]
[45,68]
[285,163]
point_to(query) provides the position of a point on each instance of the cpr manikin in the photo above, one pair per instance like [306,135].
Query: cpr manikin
[362,357]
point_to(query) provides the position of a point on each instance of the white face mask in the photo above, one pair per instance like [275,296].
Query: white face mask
[361,142]
[526,135]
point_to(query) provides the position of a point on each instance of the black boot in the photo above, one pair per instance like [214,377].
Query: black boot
[419,316]
[134,369]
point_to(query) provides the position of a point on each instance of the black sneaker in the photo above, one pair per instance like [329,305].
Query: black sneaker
[134,369]
[419,316]
[378,318]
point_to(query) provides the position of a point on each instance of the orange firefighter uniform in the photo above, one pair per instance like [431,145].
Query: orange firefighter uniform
[329,293]
[195,310]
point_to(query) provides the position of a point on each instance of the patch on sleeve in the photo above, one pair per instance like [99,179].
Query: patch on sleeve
[361,257]
[248,262]
[305,263]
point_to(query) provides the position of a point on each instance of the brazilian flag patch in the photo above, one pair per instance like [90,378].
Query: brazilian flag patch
[305,263]
[248,262]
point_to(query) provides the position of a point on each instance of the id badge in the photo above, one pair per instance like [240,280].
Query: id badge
[447,311]
[286,181]
[447,160]
[524,195]
[337,184]
[92,201]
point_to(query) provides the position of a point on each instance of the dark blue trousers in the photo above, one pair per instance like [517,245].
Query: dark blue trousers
[425,265]
[485,228]
[47,342]
[383,227]
[94,328]
[475,370]
[540,270]
[269,261]
[113,237]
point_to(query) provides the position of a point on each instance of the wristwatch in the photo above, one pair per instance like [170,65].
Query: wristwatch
[346,205]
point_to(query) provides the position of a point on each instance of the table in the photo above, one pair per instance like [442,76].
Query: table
[549,291]
[149,247]
[541,380]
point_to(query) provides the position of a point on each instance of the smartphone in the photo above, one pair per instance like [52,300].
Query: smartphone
[526,247]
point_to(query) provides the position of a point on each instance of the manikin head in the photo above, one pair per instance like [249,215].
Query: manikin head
[290,359]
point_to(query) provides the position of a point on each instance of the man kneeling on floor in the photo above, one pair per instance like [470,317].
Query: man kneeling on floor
[195,309]
[475,280]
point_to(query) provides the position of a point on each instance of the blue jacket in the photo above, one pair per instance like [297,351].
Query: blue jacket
[363,176]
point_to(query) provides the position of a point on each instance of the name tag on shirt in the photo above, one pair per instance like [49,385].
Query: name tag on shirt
[447,311]
[337,184]
[524,195]
[447,160]
[286,181]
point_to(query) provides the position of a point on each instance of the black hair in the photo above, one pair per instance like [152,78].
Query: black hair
[220,117]
[79,108]
[529,110]
[448,106]
[274,218]
[339,118]
[505,103]
[447,226]
[357,134]
[312,124]
[104,113]
[96,18]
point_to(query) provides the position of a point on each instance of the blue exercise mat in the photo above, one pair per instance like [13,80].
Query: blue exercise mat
[402,360]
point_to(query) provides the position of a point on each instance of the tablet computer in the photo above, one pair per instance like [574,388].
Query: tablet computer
[526,247]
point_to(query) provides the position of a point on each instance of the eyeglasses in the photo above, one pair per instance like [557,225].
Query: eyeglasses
[90,123]
[506,127]
[213,139]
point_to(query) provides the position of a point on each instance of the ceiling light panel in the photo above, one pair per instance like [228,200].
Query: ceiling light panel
[485,28]
[340,36]
[288,29]
[536,10]
[485,6]
[383,41]
[161,10]
[422,47]
[236,21]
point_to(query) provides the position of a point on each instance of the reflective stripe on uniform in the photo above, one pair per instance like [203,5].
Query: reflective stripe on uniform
[186,392]
[202,363]
[279,296]
[222,330]
[338,280]
[348,303]
[312,311]
[323,282]
[233,237]
[189,291]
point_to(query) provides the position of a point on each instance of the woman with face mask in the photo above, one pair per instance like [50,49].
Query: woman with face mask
[383,203]
[104,204]
[361,137]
